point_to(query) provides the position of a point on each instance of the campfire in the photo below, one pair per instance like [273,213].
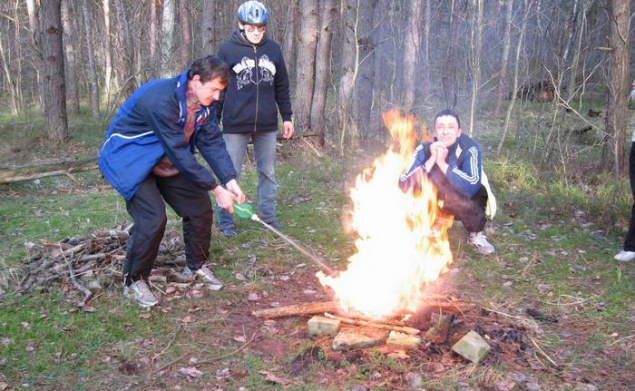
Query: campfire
[402,245]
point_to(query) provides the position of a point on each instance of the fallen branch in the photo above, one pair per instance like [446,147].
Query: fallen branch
[25,173]
[382,326]
[297,309]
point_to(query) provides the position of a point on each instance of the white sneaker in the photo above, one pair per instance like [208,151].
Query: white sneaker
[140,293]
[479,240]
[625,256]
[212,282]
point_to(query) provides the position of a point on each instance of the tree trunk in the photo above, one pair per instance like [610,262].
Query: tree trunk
[363,95]
[519,47]
[53,81]
[305,72]
[208,34]
[288,46]
[72,93]
[346,83]
[411,53]
[167,38]
[476,40]
[507,40]
[186,35]
[128,74]
[425,51]
[617,88]
[91,73]
[322,68]
[108,49]
[153,41]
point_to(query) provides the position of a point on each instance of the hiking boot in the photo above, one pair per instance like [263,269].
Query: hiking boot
[212,282]
[479,240]
[140,293]
[625,256]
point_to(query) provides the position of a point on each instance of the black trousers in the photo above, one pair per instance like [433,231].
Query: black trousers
[147,209]
[469,211]
[629,241]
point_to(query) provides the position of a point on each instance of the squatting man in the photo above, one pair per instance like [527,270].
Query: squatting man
[453,163]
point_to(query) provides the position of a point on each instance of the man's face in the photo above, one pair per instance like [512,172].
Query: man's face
[208,92]
[254,33]
[447,130]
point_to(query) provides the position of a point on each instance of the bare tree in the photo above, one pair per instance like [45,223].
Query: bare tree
[128,73]
[90,54]
[186,36]
[476,40]
[53,81]
[72,92]
[363,93]
[507,41]
[349,65]
[411,53]
[108,50]
[322,67]
[167,38]
[153,41]
[617,87]
[208,33]
[305,70]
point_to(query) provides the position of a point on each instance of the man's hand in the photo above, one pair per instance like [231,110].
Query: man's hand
[233,188]
[287,127]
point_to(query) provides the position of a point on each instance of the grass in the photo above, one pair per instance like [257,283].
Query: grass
[555,234]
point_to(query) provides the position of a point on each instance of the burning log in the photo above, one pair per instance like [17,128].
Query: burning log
[381,326]
[297,309]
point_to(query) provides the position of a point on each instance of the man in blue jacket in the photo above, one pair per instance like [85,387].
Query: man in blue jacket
[148,157]
[257,90]
[453,163]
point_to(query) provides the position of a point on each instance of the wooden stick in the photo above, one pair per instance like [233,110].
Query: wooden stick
[297,309]
[382,326]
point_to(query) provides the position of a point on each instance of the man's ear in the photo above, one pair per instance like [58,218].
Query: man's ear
[241,26]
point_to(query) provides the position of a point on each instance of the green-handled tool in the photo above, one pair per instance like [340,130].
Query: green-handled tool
[246,211]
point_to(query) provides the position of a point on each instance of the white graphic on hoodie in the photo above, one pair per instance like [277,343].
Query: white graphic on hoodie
[244,71]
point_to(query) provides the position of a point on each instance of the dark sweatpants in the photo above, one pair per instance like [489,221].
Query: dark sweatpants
[469,211]
[629,241]
[147,209]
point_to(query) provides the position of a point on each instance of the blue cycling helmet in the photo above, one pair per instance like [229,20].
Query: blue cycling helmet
[253,12]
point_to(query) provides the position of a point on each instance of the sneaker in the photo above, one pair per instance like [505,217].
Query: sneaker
[212,282]
[479,240]
[275,225]
[625,256]
[140,293]
[228,231]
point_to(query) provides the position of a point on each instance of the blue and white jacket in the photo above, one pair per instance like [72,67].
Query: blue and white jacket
[150,125]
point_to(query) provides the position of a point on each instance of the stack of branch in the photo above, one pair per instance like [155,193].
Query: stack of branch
[84,262]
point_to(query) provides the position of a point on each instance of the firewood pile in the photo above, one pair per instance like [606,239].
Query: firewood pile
[89,262]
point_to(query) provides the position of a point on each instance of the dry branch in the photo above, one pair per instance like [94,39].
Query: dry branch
[376,325]
[25,173]
[296,309]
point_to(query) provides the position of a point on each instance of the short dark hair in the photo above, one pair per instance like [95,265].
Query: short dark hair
[209,68]
[446,112]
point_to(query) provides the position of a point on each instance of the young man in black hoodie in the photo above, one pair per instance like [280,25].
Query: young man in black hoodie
[258,89]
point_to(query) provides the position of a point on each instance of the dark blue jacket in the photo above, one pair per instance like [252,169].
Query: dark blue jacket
[150,125]
[464,161]
[258,87]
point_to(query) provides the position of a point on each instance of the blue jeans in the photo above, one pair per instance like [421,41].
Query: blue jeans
[265,155]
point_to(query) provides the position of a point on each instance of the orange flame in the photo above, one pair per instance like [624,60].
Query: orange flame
[401,244]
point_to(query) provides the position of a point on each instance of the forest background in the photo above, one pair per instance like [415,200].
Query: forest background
[542,85]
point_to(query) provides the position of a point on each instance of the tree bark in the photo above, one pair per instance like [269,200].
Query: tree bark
[349,65]
[411,53]
[297,309]
[70,31]
[128,73]
[53,81]
[363,94]
[208,33]
[476,40]
[305,71]
[153,41]
[167,38]
[185,48]
[91,73]
[322,68]
[108,49]
[617,88]
[507,40]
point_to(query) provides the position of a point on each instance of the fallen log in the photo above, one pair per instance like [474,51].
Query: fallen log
[376,325]
[30,172]
[297,309]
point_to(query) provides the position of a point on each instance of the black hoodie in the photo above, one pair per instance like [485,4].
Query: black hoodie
[258,87]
